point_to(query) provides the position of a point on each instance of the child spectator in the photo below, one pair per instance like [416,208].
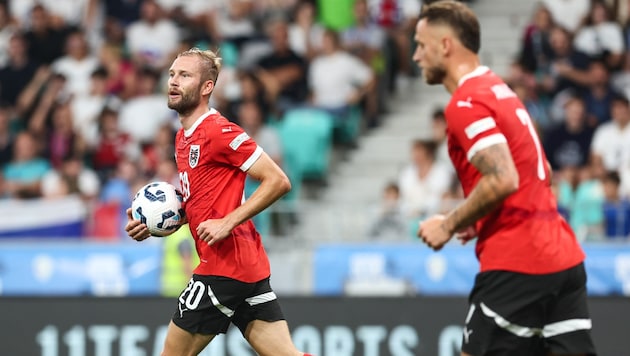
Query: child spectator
[616,208]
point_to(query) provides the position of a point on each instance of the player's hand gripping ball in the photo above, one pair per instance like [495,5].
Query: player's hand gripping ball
[158,205]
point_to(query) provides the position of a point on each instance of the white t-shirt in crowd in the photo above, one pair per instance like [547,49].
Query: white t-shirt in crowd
[568,13]
[77,72]
[333,78]
[155,43]
[593,40]
[142,117]
[422,197]
[612,143]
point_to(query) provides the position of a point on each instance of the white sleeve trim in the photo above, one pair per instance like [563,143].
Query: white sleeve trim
[252,159]
[485,142]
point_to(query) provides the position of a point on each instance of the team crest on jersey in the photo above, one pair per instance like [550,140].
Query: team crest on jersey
[193,156]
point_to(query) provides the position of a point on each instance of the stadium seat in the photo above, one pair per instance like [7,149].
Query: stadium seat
[306,134]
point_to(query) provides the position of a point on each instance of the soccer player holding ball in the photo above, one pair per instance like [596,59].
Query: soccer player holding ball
[231,283]
[529,297]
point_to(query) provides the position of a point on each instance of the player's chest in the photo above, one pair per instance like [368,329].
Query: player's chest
[191,152]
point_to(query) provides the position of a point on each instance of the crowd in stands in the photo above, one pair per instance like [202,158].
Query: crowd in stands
[82,82]
[573,75]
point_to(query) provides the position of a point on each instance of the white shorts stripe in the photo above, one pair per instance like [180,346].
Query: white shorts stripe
[261,298]
[222,308]
[566,326]
[518,330]
[549,330]
[485,142]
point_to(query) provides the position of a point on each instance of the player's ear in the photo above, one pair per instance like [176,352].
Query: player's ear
[446,45]
[207,87]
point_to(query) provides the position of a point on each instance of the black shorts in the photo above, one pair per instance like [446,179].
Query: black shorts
[521,314]
[210,303]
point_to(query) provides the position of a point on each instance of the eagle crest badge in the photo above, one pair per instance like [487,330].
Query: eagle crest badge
[193,156]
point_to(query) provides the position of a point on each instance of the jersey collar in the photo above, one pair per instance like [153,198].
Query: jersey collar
[475,73]
[191,130]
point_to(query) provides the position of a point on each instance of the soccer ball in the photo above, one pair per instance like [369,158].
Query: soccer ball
[158,205]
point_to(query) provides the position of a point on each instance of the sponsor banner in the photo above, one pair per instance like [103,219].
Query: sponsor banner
[403,269]
[71,268]
[423,326]
[62,217]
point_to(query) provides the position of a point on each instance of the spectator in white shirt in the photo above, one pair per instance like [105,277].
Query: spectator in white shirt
[568,13]
[610,148]
[337,79]
[77,65]
[601,37]
[152,40]
[424,181]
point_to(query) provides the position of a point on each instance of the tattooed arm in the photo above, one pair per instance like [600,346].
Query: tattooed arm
[499,180]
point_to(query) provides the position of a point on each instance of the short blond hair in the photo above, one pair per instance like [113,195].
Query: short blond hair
[210,62]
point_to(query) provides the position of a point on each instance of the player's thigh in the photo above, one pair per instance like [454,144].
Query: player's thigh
[567,331]
[262,323]
[270,338]
[505,316]
[180,342]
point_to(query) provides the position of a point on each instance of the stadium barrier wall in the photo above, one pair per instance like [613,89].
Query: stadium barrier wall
[74,268]
[325,326]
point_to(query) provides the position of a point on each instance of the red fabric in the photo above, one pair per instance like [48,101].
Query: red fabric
[105,224]
[209,161]
[526,234]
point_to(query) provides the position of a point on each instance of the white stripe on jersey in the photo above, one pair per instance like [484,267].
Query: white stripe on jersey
[252,159]
[485,143]
[479,126]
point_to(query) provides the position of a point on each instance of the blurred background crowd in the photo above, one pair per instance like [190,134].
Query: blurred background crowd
[82,84]
[83,108]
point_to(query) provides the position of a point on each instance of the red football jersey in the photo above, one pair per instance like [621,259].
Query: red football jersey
[213,156]
[526,233]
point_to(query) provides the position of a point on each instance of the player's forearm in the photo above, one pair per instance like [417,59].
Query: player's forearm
[489,193]
[499,179]
[270,190]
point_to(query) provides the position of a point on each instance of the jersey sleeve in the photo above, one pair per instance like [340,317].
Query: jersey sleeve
[473,126]
[231,145]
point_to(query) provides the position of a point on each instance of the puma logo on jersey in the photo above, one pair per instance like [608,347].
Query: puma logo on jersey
[465,103]
[467,333]
[227,129]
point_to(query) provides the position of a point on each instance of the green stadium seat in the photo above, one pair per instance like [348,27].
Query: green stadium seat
[306,135]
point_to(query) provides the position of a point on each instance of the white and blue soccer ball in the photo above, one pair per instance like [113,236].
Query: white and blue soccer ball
[158,205]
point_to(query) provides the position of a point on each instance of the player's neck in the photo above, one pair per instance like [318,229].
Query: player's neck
[460,67]
[188,119]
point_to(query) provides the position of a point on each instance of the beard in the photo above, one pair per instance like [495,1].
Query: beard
[187,102]
[434,75]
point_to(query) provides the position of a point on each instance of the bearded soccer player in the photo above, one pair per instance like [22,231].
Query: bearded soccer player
[231,282]
[529,297]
